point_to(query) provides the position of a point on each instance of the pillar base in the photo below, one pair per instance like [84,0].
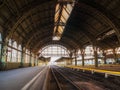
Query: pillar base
[2,66]
[30,64]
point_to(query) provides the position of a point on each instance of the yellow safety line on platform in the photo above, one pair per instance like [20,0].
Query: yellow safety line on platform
[96,70]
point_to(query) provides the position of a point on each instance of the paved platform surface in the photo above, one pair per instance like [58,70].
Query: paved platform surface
[17,78]
[107,70]
[102,67]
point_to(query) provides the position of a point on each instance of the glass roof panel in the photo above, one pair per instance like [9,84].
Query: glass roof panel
[62,13]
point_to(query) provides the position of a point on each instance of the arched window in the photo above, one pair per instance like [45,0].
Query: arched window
[54,50]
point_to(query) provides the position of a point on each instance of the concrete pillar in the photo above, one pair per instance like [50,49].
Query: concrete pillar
[75,58]
[22,57]
[115,56]
[95,56]
[70,55]
[3,58]
[34,60]
[11,50]
[17,54]
[30,61]
[104,56]
[83,54]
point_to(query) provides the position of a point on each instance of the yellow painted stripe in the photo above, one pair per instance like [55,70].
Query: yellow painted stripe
[97,70]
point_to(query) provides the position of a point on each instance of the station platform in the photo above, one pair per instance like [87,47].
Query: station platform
[57,78]
[21,79]
[106,69]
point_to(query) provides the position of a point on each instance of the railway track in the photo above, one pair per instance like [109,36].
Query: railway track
[111,83]
[63,82]
[60,78]
[98,79]
[83,82]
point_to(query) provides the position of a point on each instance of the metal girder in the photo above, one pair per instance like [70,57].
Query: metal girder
[65,1]
[59,24]
[70,41]
[83,31]
[105,14]
[68,46]
[33,33]
[43,35]
[59,17]
[71,37]
[24,15]
[40,26]
[66,40]
[48,38]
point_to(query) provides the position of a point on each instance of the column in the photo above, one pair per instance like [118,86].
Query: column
[11,50]
[17,55]
[3,58]
[83,54]
[34,60]
[75,58]
[70,57]
[104,56]
[30,61]
[115,56]
[95,56]
[22,57]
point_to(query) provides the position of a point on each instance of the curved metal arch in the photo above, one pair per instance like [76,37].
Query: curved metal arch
[38,29]
[37,22]
[89,37]
[74,44]
[106,15]
[46,46]
[25,15]
[49,39]
[90,26]
[48,43]
[71,37]
[41,37]
[38,32]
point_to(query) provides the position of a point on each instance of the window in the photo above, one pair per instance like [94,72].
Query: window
[54,50]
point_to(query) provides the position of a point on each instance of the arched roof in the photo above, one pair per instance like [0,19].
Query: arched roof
[31,23]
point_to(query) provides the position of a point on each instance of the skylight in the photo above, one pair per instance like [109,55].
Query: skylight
[62,13]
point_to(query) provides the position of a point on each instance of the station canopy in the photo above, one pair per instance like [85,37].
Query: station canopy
[71,23]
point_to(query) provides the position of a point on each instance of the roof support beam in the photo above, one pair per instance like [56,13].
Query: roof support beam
[105,14]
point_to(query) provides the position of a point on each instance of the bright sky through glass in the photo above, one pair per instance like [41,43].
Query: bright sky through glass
[54,51]
[62,14]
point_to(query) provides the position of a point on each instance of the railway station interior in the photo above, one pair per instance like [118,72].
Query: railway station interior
[59,44]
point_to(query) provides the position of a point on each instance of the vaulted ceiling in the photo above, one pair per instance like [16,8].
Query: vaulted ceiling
[31,23]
